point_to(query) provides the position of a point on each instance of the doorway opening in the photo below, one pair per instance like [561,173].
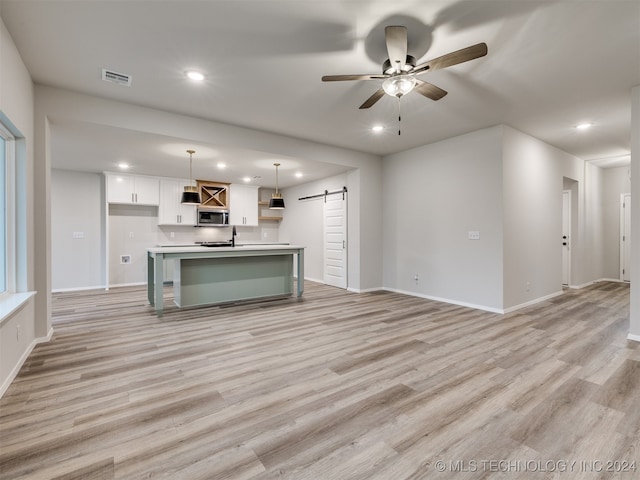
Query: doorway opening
[566,237]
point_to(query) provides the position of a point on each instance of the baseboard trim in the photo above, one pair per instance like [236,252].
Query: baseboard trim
[364,290]
[23,358]
[633,338]
[588,284]
[77,289]
[532,302]
[446,300]
[137,284]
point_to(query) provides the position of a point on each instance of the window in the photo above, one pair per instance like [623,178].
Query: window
[7,218]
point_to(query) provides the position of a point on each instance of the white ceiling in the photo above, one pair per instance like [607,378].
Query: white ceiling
[551,65]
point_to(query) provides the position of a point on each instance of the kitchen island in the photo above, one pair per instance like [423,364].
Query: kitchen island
[206,275]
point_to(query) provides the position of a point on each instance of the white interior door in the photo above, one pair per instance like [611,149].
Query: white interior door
[625,237]
[566,237]
[335,240]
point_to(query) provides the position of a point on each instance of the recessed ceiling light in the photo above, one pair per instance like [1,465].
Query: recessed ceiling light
[246,179]
[377,128]
[584,126]
[222,165]
[123,165]
[298,174]
[196,76]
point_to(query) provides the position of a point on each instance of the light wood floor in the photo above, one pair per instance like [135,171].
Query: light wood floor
[331,386]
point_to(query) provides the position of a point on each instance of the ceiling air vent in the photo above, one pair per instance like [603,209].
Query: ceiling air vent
[115,77]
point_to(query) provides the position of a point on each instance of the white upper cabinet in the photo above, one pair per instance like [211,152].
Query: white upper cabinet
[171,211]
[243,205]
[132,189]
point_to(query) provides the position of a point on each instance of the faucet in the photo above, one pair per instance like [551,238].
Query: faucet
[233,236]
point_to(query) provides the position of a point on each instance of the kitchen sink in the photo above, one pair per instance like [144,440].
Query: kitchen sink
[215,244]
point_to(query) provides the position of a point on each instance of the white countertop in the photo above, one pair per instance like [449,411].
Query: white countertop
[238,244]
[198,248]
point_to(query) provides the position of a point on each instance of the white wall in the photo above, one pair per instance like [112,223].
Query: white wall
[634,316]
[534,175]
[365,252]
[77,210]
[508,186]
[616,181]
[303,221]
[16,107]
[592,259]
[433,196]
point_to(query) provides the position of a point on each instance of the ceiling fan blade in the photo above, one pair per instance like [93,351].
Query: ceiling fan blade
[342,78]
[453,58]
[429,90]
[396,38]
[373,99]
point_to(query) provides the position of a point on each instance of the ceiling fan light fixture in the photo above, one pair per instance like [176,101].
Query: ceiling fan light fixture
[399,85]
[409,65]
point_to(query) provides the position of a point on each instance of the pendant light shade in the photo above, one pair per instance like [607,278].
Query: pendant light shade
[190,196]
[276,202]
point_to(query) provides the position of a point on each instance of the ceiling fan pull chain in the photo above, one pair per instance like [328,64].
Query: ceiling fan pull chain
[399,115]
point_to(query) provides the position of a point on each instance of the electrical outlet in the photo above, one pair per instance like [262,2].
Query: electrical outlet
[131,235]
[416,278]
[18,332]
[527,286]
[172,234]
[125,259]
[473,235]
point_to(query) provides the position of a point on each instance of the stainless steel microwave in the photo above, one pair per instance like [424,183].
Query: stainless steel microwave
[213,218]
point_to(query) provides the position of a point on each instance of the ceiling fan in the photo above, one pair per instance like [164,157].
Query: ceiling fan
[400,71]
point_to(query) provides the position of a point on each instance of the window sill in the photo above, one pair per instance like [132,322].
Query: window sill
[11,303]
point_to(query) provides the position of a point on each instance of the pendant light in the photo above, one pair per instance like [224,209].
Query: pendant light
[190,196]
[276,202]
